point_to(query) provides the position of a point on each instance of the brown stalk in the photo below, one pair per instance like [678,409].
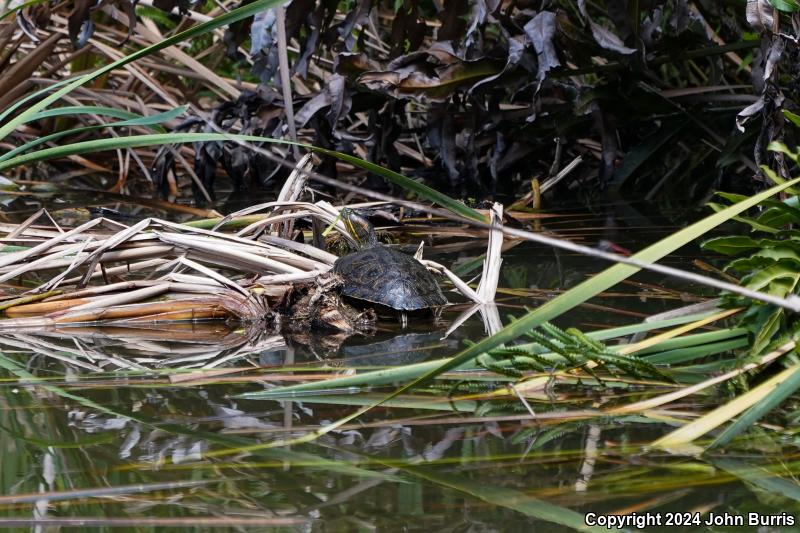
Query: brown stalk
[186,310]
[27,299]
[44,307]
[16,79]
[194,312]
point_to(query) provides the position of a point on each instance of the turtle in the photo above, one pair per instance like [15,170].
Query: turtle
[381,275]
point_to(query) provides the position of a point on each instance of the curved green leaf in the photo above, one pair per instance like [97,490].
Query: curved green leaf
[137,141]
[730,245]
[760,409]
[788,6]
[134,120]
[764,277]
[109,112]
[230,17]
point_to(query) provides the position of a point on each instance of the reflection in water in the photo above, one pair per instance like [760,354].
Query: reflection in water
[140,348]
[397,349]
[171,449]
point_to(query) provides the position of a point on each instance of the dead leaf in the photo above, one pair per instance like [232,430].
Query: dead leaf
[745,114]
[603,36]
[408,30]
[333,96]
[761,15]
[540,30]
[22,70]
[80,23]
[423,81]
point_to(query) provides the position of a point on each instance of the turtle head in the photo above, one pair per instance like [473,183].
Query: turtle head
[359,228]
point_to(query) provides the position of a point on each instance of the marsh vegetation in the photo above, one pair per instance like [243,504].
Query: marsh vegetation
[605,193]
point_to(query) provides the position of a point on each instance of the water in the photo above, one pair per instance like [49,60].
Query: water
[124,440]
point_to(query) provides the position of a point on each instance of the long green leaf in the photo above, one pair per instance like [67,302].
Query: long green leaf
[509,498]
[682,355]
[102,111]
[761,477]
[33,96]
[230,17]
[406,402]
[763,407]
[133,119]
[137,141]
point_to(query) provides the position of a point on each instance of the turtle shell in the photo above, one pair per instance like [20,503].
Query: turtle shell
[387,277]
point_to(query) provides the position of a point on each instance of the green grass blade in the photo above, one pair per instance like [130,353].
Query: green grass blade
[760,477]
[100,110]
[505,497]
[762,408]
[424,403]
[133,119]
[423,191]
[137,141]
[683,355]
[133,141]
[34,95]
[232,16]
[692,340]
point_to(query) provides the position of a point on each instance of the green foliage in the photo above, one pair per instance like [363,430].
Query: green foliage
[158,16]
[790,6]
[792,117]
[574,350]
[731,245]
[200,43]
[768,261]
[760,409]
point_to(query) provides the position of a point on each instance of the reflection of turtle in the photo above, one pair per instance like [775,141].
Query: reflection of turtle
[395,350]
[383,276]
